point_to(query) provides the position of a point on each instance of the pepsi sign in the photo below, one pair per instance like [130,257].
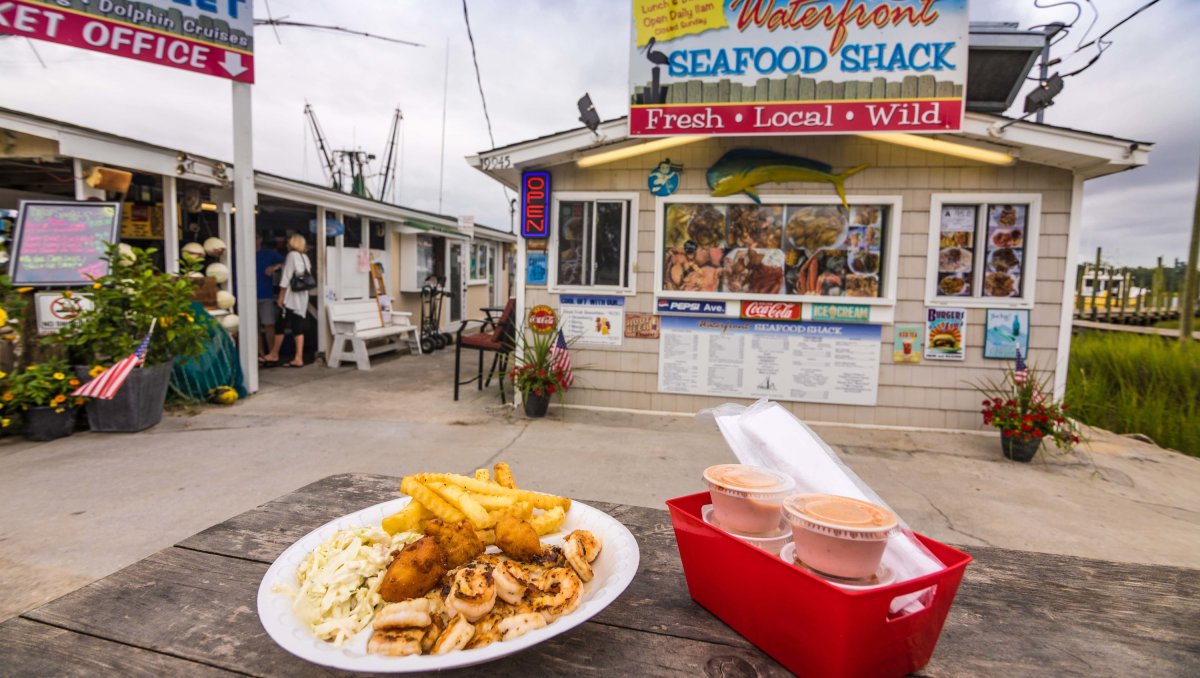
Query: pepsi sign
[691,307]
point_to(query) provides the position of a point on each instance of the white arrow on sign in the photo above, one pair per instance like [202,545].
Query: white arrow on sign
[233,64]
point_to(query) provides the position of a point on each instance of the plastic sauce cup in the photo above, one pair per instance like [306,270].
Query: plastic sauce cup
[747,499]
[839,536]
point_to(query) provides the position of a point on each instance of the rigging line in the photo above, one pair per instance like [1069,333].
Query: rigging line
[272,19]
[332,29]
[478,77]
[1103,44]
[479,81]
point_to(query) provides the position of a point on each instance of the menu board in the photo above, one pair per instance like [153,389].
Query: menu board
[956,251]
[1005,250]
[805,362]
[786,250]
[60,244]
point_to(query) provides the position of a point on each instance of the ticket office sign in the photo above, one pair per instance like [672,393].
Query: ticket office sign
[739,67]
[214,37]
[804,362]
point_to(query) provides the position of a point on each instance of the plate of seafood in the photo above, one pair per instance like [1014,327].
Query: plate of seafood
[460,572]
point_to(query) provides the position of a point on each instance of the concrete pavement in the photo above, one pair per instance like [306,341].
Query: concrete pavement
[77,509]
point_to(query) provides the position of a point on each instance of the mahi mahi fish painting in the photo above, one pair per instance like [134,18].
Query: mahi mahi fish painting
[743,169]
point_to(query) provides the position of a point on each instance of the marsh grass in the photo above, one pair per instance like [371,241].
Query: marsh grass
[1129,383]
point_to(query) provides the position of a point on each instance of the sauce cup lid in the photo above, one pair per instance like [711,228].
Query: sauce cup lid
[839,516]
[741,480]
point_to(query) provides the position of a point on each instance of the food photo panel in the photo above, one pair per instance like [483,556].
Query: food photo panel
[694,246]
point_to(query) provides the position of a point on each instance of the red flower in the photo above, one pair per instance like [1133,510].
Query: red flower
[550,389]
[537,392]
[1038,434]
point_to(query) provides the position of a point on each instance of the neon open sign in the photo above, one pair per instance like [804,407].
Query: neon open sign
[535,204]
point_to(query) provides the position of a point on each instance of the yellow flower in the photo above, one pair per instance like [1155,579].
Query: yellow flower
[67,294]
[23,290]
[97,371]
[3,317]
[96,286]
[80,400]
[59,376]
[164,321]
[59,410]
[29,368]
[191,319]
[5,422]
[3,375]
[57,399]
[6,397]
[73,382]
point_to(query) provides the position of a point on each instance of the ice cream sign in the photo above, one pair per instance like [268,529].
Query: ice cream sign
[214,37]
[741,67]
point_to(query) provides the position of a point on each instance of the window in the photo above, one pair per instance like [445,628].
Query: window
[592,241]
[982,249]
[784,249]
[481,262]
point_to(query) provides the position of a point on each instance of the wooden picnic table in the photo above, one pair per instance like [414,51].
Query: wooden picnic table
[190,610]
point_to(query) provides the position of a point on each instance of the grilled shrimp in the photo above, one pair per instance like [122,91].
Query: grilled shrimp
[408,614]
[511,581]
[455,637]
[396,642]
[473,593]
[520,624]
[580,548]
[557,592]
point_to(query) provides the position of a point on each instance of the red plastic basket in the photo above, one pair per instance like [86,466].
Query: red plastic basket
[809,625]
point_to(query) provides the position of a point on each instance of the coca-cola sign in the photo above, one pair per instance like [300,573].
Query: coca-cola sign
[771,310]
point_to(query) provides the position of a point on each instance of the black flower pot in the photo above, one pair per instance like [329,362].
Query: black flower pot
[137,406]
[1020,450]
[536,405]
[44,423]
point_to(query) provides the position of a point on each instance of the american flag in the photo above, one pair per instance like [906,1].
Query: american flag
[561,359]
[109,382]
[1021,370]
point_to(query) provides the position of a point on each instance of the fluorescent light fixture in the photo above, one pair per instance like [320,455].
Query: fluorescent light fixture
[636,150]
[939,146]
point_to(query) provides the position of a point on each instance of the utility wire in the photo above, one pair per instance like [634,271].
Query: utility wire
[479,81]
[332,29]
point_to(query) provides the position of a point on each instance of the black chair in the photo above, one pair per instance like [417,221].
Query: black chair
[498,341]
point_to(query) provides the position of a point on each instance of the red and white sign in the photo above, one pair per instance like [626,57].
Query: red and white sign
[214,37]
[839,117]
[542,319]
[771,310]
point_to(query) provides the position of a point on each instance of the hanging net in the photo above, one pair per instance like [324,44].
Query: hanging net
[194,379]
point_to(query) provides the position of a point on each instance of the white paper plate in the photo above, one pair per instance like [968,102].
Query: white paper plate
[614,569]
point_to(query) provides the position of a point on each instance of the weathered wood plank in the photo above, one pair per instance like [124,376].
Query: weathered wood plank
[879,88]
[791,88]
[201,607]
[838,91]
[945,88]
[29,648]
[908,86]
[808,89]
[893,90]
[776,90]
[695,90]
[723,89]
[850,90]
[926,86]
[762,89]
[824,90]
[709,92]
[863,89]
[735,92]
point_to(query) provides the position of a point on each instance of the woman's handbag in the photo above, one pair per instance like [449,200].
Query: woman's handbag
[303,281]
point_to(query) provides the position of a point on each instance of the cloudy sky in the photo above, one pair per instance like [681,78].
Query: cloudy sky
[538,56]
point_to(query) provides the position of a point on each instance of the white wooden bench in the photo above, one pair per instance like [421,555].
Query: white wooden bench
[355,323]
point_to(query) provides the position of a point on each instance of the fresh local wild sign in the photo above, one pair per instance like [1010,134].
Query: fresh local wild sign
[738,67]
[215,37]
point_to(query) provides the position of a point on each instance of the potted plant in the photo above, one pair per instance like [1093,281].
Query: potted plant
[537,372]
[41,396]
[125,303]
[1026,416]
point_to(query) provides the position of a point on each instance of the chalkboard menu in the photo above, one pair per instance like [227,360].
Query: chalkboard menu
[60,244]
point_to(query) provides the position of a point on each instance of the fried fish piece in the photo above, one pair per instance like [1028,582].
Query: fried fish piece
[457,540]
[416,569]
[518,539]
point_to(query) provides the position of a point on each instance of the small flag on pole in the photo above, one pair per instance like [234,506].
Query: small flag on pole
[1021,370]
[561,360]
[109,382]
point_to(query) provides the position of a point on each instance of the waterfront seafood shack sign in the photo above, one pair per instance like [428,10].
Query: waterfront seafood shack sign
[738,67]
[214,37]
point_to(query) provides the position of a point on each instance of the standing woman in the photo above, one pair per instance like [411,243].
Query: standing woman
[294,304]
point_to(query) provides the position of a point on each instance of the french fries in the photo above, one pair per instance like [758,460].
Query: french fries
[482,500]
[504,476]
[461,500]
[437,506]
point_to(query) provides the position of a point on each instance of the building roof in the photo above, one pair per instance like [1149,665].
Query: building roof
[1087,154]
[77,141]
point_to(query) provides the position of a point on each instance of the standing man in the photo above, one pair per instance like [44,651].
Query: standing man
[267,262]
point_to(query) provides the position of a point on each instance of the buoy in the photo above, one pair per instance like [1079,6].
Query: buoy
[214,247]
[229,322]
[218,272]
[193,251]
[225,300]
[223,395]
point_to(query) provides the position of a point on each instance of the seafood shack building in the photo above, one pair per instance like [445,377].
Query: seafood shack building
[946,256]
